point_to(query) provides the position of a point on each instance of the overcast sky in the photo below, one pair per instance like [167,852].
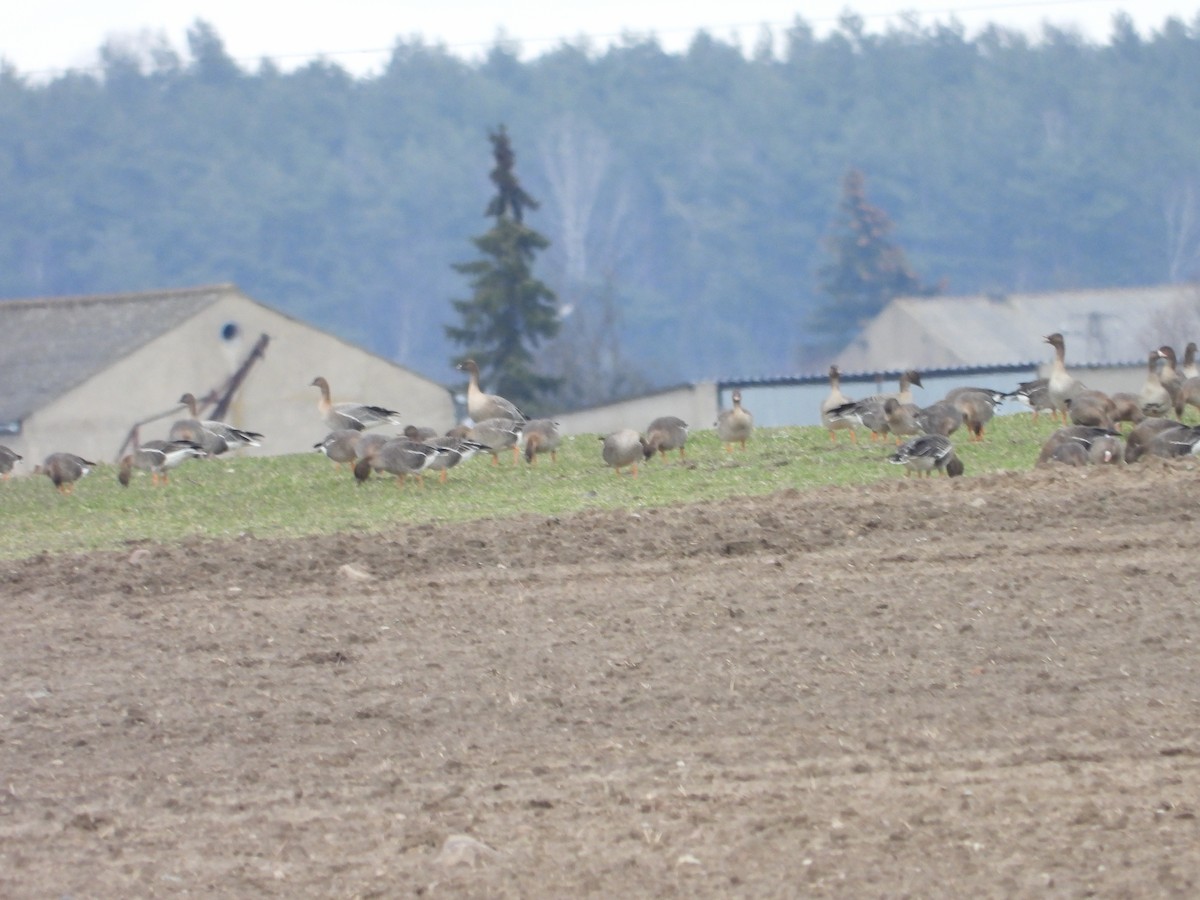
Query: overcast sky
[40,37]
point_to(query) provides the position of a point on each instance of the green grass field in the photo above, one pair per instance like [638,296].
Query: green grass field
[300,495]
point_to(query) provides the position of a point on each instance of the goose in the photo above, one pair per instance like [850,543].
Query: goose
[977,405]
[1171,377]
[1138,442]
[1085,438]
[215,437]
[541,436]
[8,459]
[1171,442]
[1092,407]
[1105,450]
[1189,393]
[832,401]
[358,416]
[1126,408]
[1190,369]
[1154,399]
[157,458]
[497,434]
[869,413]
[901,418]
[625,447]
[943,417]
[906,381]
[340,445]
[482,406]
[420,433]
[452,451]
[667,433]
[735,425]
[64,469]
[1067,453]
[1035,394]
[401,457]
[1061,384]
[928,453]
[369,444]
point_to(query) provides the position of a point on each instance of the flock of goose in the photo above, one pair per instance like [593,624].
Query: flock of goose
[1092,437]
[922,434]
[498,426]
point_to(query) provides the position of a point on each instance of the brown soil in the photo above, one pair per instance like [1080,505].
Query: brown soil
[979,687]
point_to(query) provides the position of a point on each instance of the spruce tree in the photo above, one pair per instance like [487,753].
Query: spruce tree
[867,269]
[510,312]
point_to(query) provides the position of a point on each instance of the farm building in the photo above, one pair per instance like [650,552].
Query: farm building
[81,373]
[1114,327]
[775,401]
[987,340]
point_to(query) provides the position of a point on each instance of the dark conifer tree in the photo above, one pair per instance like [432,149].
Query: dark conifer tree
[510,312]
[867,269]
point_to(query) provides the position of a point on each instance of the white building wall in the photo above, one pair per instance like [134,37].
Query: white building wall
[696,404]
[276,399]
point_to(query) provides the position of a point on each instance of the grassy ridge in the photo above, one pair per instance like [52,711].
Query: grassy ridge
[303,494]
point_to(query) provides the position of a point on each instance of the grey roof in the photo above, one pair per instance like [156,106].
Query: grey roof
[1113,326]
[50,345]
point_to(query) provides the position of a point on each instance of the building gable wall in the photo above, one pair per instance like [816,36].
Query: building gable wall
[276,399]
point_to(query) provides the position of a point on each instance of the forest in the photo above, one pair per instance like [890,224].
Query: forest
[689,199]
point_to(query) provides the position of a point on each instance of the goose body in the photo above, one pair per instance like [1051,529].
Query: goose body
[215,437]
[1092,407]
[349,414]
[1107,449]
[340,445]
[978,407]
[869,411]
[1189,392]
[901,418]
[1171,378]
[1171,442]
[369,444]
[1143,440]
[541,436]
[1080,445]
[835,399]
[624,448]
[1067,453]
[497,434]
[1061,386]
[1154,399]
[481,405]
[926,454]
[8,459]
[667,433]
[735,425]
[420,433]
[400,456]
[1036,395]
[64,469]
[1126,408]
[157,458]
[452,451]
[943,417]
[1103,451]
[1190,369]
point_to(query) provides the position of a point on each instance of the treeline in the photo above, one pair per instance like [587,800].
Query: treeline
[688,197]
